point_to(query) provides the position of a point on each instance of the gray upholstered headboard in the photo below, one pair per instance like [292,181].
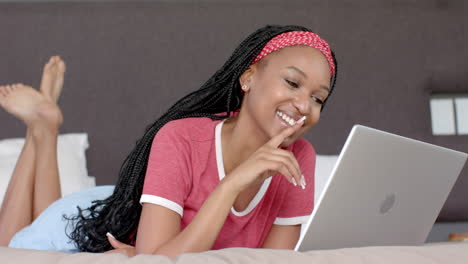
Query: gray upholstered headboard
[129,61]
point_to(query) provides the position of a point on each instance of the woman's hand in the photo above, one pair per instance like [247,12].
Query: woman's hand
[267,161]
[120,247]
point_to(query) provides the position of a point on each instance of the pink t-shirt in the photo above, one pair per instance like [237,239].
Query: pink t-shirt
[186,164]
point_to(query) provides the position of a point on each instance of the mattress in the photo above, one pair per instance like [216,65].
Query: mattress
[450,252]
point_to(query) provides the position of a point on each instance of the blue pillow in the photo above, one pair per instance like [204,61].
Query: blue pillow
[47,232]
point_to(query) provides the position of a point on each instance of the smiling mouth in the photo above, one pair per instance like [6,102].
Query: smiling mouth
[289,120]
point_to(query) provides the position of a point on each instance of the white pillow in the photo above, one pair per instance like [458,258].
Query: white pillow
[71,162]
[323,169]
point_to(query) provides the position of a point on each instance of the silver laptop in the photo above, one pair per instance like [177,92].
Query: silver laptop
[384,190]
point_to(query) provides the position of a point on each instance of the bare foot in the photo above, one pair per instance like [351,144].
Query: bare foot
[52,78]
[30,106]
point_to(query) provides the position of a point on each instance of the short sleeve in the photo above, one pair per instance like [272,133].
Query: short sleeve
[167,180]
[298,203]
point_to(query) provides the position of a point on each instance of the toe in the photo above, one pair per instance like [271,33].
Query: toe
[51,61]
[22,86]
[61,66]
[6,90]
[48,65]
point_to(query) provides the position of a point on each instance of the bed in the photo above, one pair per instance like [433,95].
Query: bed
[128,61]
[454,253]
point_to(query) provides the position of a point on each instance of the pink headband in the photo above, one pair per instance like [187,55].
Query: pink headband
[298,38]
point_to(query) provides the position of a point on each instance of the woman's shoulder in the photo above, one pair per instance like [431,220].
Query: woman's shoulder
[194,128]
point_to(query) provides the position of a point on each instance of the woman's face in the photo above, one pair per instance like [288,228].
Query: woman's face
[293,81]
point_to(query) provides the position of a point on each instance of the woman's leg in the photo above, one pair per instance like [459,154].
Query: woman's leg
[36,173]
[43,119]
[47,180]
[19,206]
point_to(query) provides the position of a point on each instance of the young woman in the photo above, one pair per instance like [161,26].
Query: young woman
[226,166]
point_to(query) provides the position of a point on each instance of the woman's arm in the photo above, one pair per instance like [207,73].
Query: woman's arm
[157,225]
[282,237]
[203,230]
[164,237]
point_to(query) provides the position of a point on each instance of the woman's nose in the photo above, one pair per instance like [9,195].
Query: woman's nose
[302,103]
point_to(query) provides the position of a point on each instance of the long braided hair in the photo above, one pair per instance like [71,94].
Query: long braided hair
[120,212]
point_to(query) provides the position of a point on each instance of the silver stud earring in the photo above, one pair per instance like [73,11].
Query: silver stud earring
[245,88]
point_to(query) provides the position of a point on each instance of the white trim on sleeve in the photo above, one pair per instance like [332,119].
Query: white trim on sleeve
[148,198]
[291,220]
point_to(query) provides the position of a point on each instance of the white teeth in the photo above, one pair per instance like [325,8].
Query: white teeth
[288,119]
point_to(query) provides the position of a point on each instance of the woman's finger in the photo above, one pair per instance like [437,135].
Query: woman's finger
[114,242]
[278,139]
[290,156]
[282,165]
[278,167]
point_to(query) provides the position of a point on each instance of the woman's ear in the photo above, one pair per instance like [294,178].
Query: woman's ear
[246,78]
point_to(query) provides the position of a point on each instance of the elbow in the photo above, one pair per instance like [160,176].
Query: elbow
[172,251]
[157,251]
[167,253]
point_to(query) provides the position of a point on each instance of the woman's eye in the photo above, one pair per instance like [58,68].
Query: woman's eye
[296,85]
[291,83]
[317,100]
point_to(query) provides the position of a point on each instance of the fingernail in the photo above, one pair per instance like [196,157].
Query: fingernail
[301,119]
[294,181]
[303,182]
[109,234]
